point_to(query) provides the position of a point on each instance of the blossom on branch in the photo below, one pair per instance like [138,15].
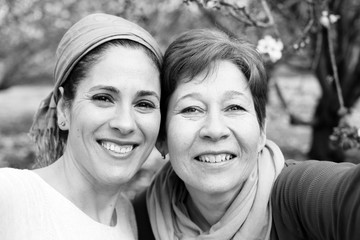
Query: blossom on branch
[327,19]
[271,48]
[215,4]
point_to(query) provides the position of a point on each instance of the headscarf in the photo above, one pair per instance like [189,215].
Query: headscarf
[85,35]
[247,218]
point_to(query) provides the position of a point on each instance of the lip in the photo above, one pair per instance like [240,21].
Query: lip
[117,141]
[208,157]
[120,144]
[211,152]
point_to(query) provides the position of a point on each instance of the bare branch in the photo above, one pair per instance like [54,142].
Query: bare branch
[317,54]
[211,18]
[249,19]
[342,110]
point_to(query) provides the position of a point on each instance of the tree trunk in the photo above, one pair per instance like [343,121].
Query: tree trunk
[326,119]
[347,51]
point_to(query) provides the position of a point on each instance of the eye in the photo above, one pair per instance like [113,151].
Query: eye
[191,110]
[233,108]
[104,98]
[145,105]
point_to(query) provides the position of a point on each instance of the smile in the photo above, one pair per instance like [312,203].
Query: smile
[214,158]
[119,149]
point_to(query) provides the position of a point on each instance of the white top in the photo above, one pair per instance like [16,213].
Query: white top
[31,209]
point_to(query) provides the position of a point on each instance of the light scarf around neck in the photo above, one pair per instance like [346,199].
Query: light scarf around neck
[248,217]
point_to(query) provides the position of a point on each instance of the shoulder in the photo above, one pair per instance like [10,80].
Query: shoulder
[16,174]
[303,180]
[15,184]
[302,177]
[11,171]
[317,198]
[313,168]
[10,177]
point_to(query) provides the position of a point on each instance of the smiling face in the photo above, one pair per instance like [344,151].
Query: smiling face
[213,135]
[114,118]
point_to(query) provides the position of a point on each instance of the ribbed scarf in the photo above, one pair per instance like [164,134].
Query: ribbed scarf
[247,218]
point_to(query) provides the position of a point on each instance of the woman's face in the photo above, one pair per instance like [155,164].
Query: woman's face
[114,119]
[213,135]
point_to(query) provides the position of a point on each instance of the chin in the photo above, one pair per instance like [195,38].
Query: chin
[118,177]
[215,187]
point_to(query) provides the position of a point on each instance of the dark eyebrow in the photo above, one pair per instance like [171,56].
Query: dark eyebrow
[107,88]
[144,93]
[141,93]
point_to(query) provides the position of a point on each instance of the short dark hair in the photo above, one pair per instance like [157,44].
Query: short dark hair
[196,51]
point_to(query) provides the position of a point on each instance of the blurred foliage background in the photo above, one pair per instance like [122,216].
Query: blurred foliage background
[304,102]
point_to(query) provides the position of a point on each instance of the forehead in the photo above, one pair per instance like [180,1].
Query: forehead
[123,66]
[124,58]
[221,76]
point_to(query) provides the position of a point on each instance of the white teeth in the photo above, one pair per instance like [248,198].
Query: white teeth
[215,158]
[117,148]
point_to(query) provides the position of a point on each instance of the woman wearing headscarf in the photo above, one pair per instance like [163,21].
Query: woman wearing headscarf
[222,169]
[93,133]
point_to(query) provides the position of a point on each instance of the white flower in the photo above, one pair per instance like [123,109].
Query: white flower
[324,19]
[359,132]
[333,18]
[212,4]
[270,46]
[327,19]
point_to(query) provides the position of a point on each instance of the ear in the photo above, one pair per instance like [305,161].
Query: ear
[161,146]
[262,138]
[62,112]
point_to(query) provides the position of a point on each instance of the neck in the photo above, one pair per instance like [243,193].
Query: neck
[97,201]
[212,206]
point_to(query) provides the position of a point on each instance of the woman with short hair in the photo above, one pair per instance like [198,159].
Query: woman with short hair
[225,180]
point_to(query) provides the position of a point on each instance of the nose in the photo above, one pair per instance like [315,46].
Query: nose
[123,120]
[214,128]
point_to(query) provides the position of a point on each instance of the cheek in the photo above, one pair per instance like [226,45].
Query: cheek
[180,137]
[173,135]
[247,133]
[83,120]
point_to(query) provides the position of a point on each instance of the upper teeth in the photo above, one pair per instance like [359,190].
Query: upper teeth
[215,158]
[116,148]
